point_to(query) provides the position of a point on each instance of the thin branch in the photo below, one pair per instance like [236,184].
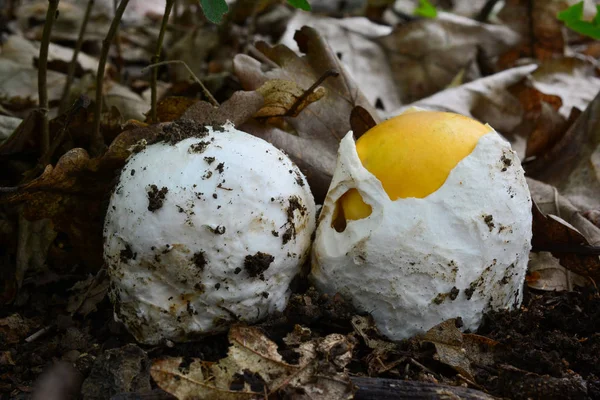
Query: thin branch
[97,139]
[300,100]
[486,10]
[156,57]
[208,95]
[51,15]
[71,73]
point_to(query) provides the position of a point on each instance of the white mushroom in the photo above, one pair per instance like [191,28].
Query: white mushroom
[204,232]
[444,231]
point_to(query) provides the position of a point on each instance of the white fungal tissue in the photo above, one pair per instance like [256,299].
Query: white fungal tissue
[416,262]
[204,232]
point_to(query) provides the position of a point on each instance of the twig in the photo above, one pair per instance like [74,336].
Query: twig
[51,14]
[208,95]
[97,139]
[38,334]
[156,57]
[300,100]
[486,10]
[82,102]
[71,73]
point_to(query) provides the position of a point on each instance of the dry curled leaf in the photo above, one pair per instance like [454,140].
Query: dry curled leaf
[487,99]
[320,127]
[172,108]
[572,165]
[544,272]
[565,242]
[353,41]
[254,369]
[285,98]
[459,350]
[426,55]
[536,21]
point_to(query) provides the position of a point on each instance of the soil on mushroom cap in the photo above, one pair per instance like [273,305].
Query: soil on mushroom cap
[156,197]
[255,265]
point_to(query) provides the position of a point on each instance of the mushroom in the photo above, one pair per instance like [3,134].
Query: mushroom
[204,232]
[428,217]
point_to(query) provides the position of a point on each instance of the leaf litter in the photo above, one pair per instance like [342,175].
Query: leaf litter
[304,87]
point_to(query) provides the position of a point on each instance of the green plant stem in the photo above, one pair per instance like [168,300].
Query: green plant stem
[72,66]
[156,57]
[97,146]
[206,92]
[42,71]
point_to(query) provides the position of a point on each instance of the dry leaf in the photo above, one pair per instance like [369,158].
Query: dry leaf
[320,127]
[88,293]
[536,21]
[22,51]
[172,108]
[573,164]
[425,55]
[486,99]
[31,17]
[281,95]
[254,369]
[550,201]
[19,88]
[353,41]
[564,241]
[460,350]
[35,238]
[15,328]
[544,272]
[573,79]
[385,355]
[7,126]
[361,121]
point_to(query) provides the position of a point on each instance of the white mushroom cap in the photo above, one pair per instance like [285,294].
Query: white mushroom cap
[205,232]
[416,262]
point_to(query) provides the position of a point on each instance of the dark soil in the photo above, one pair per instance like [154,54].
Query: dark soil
[549,349]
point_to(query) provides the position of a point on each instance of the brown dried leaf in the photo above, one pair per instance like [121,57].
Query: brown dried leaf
[88,293]
[172,108]
[254,368]
[573,164]
[460,350]
[361,121]
[385,355]
[353,41]
[31,17]
[544,272]
[425,55]
[281,95]
[35,238]
[537,23]
[486,99]
[564,241]
[320,126]
[237,109]
[15,328]
[72,194]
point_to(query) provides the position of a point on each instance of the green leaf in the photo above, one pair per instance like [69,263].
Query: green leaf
[573,19]
[585,28]
[596,20]
[571,14]
[214,9]
[426,9]
[301,4]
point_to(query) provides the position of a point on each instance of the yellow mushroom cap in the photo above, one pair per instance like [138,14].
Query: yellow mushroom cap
[412,154]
